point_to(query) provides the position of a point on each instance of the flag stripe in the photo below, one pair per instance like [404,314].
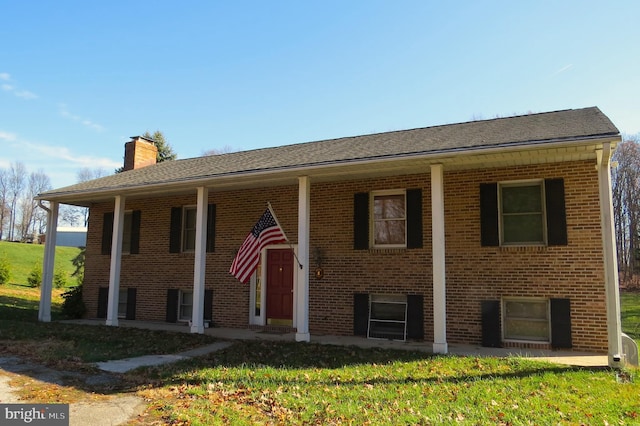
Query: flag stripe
[265,232]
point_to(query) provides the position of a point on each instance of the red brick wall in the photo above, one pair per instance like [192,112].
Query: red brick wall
[474,273]
[574,271]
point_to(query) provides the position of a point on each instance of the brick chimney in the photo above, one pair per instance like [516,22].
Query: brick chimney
[139,152]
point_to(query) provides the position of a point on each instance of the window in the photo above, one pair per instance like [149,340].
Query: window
[389,219]
[185,306]
[182,232]
[126,233]
[189,229]
[388,317]
[130,232]
[522,213]
[122,303]
[526,319]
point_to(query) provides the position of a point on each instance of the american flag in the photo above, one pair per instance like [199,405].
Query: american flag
[266,231]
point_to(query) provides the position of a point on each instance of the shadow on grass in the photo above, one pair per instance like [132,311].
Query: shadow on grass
[310,357]
[295,359]
[19,309]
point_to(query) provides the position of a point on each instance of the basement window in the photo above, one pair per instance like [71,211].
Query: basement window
[185,306]
[388,317]
[122,303]
[526,319]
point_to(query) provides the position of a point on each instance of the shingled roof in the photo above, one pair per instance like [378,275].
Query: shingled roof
[456,139]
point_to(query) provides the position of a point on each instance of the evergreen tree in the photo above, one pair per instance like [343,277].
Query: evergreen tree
[165,152]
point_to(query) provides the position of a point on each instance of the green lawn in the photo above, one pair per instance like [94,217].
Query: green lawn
[294,383]
[630,307]
[256,382]
[23,257]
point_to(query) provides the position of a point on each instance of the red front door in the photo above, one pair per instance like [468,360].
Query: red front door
[280,286]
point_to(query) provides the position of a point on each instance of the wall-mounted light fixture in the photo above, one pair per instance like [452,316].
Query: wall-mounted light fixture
[318,257]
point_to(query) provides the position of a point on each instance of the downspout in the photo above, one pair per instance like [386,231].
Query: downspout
[614,327]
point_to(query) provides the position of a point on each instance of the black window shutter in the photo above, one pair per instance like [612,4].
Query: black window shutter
[561,324]
[175,236]
[361,221]
[103,301]
[172,305]
[360,314]
[208,305]
[556,212]
[131,303]
[415,317]
[211,228]
[107,232]
[489,214]
[491,332]
[414,218]
[135,232]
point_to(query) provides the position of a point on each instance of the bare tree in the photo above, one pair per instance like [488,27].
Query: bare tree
[17,178]
[4,198]
[38,182]
[72,214]
[626,205]
[215,151]
[86,174]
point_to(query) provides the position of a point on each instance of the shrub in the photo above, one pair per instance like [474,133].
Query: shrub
[35,276]
[5,271]
[59,279]
[73,306]
[78,264]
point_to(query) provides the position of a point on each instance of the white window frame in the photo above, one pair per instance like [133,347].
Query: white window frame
[181,304]
[522,183]
[372,220]
[183,230]
[503,309]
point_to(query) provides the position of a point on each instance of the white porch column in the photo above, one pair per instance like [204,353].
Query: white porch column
[614,327]
[302,302]
[438,255]
[44,312]
[116,259]
[199,263]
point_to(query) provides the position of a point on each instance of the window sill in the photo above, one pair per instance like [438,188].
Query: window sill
[536,248]
[390,250]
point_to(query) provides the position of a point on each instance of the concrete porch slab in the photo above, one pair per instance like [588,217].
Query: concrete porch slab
[580,359]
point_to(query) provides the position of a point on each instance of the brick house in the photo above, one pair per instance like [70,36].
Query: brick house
[494,232]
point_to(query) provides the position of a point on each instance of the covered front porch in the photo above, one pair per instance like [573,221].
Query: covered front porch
[432,178]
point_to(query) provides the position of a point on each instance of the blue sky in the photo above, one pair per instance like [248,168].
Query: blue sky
[78,78]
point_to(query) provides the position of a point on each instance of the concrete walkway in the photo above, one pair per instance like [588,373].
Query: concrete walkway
[128,364]
[109,410]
